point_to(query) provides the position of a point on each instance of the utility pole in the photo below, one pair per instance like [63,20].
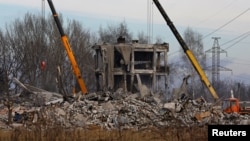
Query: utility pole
[216,68]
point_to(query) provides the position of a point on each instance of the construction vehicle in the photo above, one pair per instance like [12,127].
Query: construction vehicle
[234,105]
[187,51]
[68,50]
[229,105]
[172,27]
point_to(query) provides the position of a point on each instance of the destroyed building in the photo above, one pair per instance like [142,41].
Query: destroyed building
[131,66]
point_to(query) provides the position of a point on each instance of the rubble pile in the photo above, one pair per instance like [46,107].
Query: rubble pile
[129,112]
[116,110]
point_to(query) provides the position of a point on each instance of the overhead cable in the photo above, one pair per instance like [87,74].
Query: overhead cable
[226,23]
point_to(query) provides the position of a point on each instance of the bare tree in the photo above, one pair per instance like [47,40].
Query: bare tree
[6,64]
[81,42]
[159,40]
[112,32]
[195,44]
[142,37]
[25,39]
[30,41]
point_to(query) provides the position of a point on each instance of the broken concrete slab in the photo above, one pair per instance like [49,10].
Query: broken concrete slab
[48,97]
[122,112]
[199,116]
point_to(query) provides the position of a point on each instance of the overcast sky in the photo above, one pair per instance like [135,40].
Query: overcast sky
[227,19]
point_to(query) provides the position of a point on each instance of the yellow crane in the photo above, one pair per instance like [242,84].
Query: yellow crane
[187,51]
[68,50]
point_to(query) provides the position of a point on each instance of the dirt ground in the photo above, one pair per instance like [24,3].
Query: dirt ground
[93,133]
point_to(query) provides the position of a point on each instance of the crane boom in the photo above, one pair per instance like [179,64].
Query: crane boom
[68,49]
[187,51]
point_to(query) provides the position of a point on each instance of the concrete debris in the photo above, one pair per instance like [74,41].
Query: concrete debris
[115,111]
[41,95]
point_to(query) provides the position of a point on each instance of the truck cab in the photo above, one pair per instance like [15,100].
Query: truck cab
[233,105]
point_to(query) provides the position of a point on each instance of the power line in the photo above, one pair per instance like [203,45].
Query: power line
[237,41]
[242,35]
[216,68]
[235,62]
[218,12]
[242,60]
[226,23]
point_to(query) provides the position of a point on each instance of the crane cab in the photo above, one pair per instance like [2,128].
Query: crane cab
[231,105]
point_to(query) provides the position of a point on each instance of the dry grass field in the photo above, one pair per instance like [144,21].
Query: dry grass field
[94,133]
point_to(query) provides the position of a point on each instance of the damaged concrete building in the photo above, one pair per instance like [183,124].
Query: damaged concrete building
[131,66]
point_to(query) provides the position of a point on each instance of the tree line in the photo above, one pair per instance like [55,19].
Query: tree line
[31,51]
